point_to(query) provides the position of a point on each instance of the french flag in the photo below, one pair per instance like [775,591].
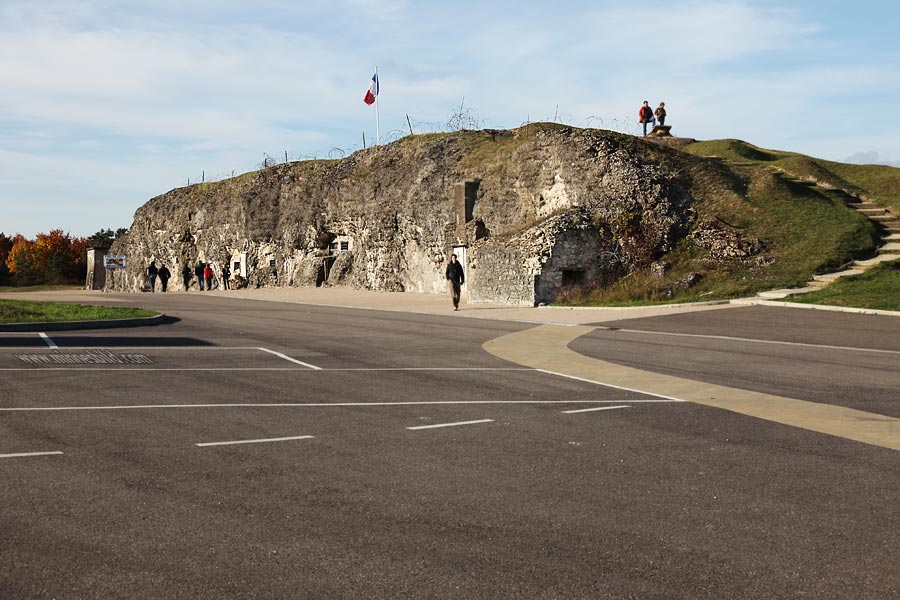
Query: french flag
[372,92]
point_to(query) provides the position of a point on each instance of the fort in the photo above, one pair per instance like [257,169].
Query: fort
[530,212]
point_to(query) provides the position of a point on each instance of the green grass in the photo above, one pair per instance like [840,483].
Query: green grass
[878,182]
[23,311]
[6,289]
[878,288]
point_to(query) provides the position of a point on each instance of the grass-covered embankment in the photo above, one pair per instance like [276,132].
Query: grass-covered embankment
[804,229]
[878,289]
[24,311]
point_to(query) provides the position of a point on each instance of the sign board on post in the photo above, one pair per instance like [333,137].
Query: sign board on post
[114,261]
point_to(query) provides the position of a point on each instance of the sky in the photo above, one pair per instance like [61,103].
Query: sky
[106,104]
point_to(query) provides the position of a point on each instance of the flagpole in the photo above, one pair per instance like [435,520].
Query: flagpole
[377,120]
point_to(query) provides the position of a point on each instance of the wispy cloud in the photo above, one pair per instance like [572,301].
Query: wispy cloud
[138,96]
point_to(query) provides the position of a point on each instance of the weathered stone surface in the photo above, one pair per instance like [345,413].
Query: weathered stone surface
[724,242]
[548,205]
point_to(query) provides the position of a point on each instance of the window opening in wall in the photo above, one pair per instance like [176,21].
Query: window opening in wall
[332,246]
[345,246]
[272,262]
[572,277]
[237,266]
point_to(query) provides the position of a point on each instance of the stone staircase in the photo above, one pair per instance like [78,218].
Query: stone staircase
[889,248]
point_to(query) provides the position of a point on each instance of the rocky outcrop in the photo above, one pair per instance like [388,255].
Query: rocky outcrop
[556,205]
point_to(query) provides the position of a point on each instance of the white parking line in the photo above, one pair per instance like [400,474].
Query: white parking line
[582,410]
[24,454]
[49,342]
[289,359]
[729,338]
[325,404]
[260,441]
[450,424]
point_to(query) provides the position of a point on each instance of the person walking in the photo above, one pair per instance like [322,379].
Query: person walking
[152,272]
[164,275]
[456,278]
[660,113]
[645,115]
[208,275]
[226,275]
[186,276]
[198,271]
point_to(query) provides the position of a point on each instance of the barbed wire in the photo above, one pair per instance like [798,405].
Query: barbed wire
[462,117]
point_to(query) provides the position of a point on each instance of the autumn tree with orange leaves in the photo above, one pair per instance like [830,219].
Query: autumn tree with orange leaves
[51,258]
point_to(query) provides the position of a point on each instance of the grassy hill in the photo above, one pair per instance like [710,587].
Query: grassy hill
[794,204]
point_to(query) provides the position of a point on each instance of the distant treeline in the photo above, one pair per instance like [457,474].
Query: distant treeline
[50,258]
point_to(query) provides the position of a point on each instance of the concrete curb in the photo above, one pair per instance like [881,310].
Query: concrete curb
[646,306]
[825,307]
[71,325]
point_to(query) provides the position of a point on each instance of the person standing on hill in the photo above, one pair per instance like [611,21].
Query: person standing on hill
[164,275]
[456,278]
[198,271]
[226,275]
[661,113]
[152,272]
[645,115]
[186,276]
[208,275]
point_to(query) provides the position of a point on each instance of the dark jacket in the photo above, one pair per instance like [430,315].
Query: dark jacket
[198,270]
[186,273]
[660,112]
[164,273]
[645,114]
[151,270]
[455,273]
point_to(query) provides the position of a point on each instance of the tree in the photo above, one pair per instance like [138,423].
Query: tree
[105,237]
[50,258]
[6,244]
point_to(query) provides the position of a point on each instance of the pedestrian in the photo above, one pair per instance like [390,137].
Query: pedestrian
[152,272]
[186,276]
[208,275]
[198,271]
[164,275]
[646,116]
[661,113]
[456,278]
[226,275]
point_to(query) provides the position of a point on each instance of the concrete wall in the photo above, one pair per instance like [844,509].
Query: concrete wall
[96,274]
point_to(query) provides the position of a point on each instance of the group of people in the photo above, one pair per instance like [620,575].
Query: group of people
[203,272]
[648,115]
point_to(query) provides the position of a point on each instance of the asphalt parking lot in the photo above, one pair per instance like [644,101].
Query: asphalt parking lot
[270,450]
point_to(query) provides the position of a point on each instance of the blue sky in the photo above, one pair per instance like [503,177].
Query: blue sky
[106,104]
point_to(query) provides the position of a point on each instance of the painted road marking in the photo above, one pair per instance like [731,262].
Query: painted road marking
[49,342]
[450,424]
[583,410]
[547,348]
[729,338]
[260,441]
[289,359]
[617,387]
[329,404]
[24,454]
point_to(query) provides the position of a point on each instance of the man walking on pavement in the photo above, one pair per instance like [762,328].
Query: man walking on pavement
[456,277]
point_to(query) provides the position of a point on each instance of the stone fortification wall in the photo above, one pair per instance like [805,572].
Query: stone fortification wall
[532,267]
[395,210]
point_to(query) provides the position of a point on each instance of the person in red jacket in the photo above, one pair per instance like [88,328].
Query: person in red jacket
[645,115]
[208,276]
